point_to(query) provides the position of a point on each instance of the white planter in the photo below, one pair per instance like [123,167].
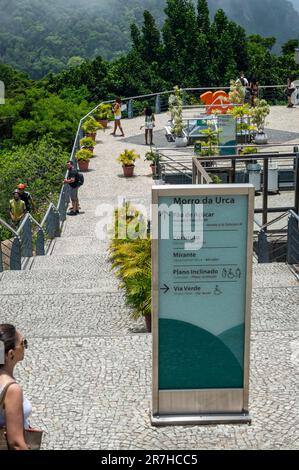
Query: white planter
[273,177]
[181,141]
[261,138]
[254,175]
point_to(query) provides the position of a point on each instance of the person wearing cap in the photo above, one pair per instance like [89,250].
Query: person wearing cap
[17,208]
[26,197]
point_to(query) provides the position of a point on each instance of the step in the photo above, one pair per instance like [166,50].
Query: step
[79,245]
[72,314]
[273,275]
[30,282]
[73,263]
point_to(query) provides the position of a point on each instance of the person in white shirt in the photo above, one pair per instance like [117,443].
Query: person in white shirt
[290,90]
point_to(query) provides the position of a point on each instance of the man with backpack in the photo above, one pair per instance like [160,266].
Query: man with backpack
[74,180]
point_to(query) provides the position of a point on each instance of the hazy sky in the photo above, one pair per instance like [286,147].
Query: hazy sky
[296,5]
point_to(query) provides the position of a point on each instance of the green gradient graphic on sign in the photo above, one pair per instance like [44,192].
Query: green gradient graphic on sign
[202,296]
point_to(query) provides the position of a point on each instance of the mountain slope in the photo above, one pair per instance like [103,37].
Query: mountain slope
[38,36]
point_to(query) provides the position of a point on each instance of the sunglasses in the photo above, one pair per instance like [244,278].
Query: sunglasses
[24,343]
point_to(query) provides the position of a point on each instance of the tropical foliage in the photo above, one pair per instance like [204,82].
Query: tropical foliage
[131,256]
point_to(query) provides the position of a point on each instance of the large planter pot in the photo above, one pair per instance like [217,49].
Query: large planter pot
[83,165]
[128,170]
[154,168]
[148,323]
[181,141]
[103,122]
[254,175]
[261,138]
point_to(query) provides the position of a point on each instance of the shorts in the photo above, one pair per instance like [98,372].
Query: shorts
[117,118]
[149,126]
[74,193]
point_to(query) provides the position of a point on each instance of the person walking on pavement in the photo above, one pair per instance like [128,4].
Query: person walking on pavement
[149,124]
[290,90]
[17,208]
[73,181]
[26,197]
[116,108]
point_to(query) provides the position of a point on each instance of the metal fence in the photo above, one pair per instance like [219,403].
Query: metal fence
[29,238]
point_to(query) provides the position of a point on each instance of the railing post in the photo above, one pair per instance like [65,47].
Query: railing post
[56,223]
[26,239]
[293,241]
[158,104]
[263,248]
[52,223]
[15,255]
[130,109]
[40,243]
[1,263]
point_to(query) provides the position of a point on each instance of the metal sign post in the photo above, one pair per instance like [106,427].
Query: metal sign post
[201,303]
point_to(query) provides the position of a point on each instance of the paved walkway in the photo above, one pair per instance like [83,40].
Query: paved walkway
[88,366]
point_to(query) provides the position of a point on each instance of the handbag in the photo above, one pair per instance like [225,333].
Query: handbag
[33,437]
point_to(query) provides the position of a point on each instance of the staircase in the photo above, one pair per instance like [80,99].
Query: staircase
[88,367]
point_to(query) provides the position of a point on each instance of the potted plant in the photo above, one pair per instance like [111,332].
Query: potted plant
[259,114]
[131,256]
[90,127]
[209,145]
[103,114]
[83,156]
[87,143]
[236,93]
[176,109]
[242,115]
[127,159]
[153,157]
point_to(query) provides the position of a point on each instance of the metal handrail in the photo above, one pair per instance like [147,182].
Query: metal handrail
[293,214]
[61,206]
[273,221]
[6,225]
[197,168]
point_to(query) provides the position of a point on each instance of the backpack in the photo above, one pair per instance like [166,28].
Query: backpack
[80,179]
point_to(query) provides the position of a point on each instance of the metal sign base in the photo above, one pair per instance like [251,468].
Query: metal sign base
[172,420]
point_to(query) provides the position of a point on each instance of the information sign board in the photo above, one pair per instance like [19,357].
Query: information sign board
[202,251]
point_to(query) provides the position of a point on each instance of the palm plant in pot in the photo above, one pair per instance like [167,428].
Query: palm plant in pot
[83,156]
[153,157]
[87,143]
[103,114]
[259,114]
[131,257]
[90,127]
[209,145]
[127,159]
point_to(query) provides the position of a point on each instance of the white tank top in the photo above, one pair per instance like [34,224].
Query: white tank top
[27,410]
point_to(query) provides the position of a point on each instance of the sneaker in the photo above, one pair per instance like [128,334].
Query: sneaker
[71,213]
[77,212]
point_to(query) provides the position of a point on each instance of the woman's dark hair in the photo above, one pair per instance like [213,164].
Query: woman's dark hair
[118,100]
[148,111]
[8,335]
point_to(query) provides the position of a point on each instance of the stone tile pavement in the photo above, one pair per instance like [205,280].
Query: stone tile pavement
[88,367]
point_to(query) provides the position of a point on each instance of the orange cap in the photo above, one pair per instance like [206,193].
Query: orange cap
[21,186]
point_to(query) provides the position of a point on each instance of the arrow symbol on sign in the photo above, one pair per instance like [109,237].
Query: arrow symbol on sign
[165,288]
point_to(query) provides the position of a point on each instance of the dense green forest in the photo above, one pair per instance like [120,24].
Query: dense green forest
[39,119]
[38,36]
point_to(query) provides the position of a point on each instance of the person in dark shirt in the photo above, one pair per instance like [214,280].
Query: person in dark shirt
[73,181]
[26,197]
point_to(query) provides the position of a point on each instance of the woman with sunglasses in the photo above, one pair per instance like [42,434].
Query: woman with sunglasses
[14,408]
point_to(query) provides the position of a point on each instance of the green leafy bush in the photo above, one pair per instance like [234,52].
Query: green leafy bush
[132,259]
